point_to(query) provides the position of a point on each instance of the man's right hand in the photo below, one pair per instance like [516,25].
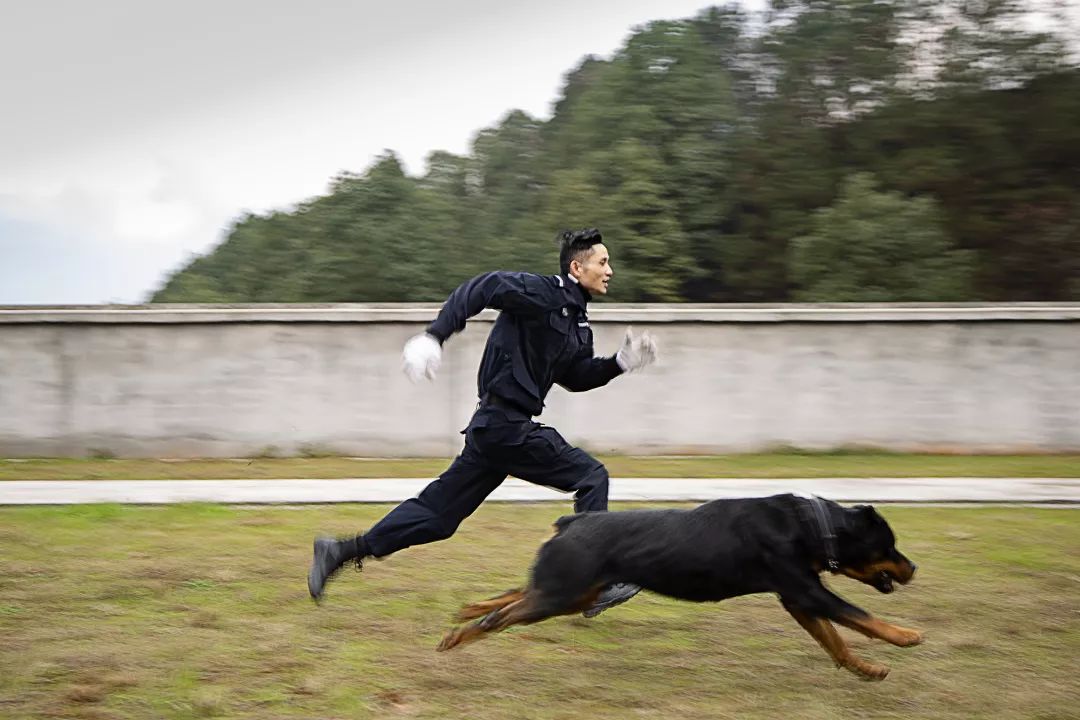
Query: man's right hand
[421,357]
[636,352]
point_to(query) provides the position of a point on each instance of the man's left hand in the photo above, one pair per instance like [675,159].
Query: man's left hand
[636,352]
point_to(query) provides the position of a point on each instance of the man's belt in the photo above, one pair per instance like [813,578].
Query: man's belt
[490,399]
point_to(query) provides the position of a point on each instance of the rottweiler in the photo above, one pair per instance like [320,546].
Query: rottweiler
[719,550]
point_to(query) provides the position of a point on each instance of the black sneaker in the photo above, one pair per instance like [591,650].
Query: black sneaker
[612,595]
[329,556]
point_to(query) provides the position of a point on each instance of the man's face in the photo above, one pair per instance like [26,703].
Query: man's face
[594,270]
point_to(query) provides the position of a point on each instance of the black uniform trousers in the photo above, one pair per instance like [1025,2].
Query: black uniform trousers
[499,441]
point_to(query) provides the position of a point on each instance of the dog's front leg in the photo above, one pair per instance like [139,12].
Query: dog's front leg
[872,627]
[823,631]
[819,601]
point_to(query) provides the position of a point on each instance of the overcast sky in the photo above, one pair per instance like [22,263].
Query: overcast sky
[133,132]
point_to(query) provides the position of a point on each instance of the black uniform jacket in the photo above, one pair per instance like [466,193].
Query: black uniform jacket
[542,336]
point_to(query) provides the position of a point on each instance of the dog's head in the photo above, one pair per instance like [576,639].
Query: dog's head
[868,550]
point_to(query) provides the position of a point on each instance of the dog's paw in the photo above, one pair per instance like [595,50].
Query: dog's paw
[449,640]
[871,671]
[909,638]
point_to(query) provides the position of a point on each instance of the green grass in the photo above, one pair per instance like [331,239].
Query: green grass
[189,611]
[771,465]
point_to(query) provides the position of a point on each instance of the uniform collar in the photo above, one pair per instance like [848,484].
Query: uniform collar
[573,288]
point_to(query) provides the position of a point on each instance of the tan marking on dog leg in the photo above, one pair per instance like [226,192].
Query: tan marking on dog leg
[492,622]
[872,627]
[520,612]
[482,608]
[826,635]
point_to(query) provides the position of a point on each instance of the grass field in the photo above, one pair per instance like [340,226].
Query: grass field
[770,465]
[202,611]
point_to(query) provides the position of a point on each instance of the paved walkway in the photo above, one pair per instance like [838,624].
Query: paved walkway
[976,490]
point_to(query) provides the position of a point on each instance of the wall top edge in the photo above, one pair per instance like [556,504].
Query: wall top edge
[600,312]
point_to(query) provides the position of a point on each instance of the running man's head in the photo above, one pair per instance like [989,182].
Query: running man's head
[582,256]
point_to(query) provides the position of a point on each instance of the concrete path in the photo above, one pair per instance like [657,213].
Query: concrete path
[977,490]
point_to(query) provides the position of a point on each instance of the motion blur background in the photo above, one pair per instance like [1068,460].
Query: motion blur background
[854,226]
[834,150]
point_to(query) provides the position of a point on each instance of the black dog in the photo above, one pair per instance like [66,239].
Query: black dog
[722,549]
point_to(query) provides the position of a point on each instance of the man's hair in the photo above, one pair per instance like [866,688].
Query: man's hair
[576,245]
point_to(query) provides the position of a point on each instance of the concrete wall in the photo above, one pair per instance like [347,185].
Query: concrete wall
[180,381]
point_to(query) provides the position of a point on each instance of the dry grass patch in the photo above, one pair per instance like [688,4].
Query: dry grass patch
[202,611]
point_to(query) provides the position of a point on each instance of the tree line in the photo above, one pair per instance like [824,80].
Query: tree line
[826,150]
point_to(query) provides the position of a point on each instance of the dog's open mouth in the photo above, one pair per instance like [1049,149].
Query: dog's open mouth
[883,582]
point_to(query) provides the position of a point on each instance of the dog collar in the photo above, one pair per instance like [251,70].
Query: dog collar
[825,529]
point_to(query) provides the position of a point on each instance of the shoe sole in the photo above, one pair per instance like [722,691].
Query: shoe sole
[597,609]
[316,595]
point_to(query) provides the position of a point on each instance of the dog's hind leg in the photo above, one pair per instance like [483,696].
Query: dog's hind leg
[564,581]
[492,622]
[532,608]
[823,631]
[872,627]
[482,608]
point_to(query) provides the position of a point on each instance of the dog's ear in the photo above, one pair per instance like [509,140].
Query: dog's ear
[867,516]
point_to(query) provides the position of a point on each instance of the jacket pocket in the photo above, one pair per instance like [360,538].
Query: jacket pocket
[584,334]
[560,323]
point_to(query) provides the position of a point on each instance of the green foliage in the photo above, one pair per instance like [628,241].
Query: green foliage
[704,147]
[875,246]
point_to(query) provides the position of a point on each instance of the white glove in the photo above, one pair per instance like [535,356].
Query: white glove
[636,353]
[421,357]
